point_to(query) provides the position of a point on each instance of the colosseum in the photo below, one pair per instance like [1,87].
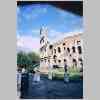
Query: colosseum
[68,48]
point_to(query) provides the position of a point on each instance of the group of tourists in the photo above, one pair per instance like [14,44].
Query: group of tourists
[50,74]
[22,83]
[23,79]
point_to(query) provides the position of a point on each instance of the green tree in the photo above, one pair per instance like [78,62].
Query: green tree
[34,58]
[23,60]
[28,60]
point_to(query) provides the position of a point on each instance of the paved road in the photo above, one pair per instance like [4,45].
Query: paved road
[54,89]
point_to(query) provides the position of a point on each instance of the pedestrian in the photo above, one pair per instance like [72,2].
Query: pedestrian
[24,83]
[50,70]
[18,82]
[36,76]
[66,78]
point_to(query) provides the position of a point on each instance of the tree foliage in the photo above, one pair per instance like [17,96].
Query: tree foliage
[27,60]
[34,57]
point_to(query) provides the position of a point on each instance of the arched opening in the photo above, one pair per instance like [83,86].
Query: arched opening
[51,46]
[68,50]
[59,49]
[79,49]
[73,48]
[74,62]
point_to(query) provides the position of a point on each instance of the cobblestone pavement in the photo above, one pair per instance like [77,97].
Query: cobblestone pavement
[54,89]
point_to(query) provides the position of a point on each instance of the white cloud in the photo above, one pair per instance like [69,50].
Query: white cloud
[18,10]
[66,14]
[53,33]
[44,10]
[28,42]
[18,36]
[35,31]
[40,9]
[31,16]
[62,13]
[32,13]
[56,36]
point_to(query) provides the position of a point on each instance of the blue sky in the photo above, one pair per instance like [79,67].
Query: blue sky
[31,18]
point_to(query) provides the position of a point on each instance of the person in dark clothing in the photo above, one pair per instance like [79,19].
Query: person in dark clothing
[66,78]
[65,65]
[24,84]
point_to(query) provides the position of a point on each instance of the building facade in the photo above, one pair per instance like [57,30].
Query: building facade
[68,48]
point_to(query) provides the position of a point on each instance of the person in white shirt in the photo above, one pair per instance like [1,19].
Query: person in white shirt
[36,76]
[50,70]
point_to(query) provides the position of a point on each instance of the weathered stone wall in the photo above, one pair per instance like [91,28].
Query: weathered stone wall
[68,49]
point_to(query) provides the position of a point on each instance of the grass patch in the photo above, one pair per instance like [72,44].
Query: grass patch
[73,72]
